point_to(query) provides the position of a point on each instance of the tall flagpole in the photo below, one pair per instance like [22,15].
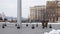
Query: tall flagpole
[19,10]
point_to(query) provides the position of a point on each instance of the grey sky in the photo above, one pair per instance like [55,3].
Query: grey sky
[10,6]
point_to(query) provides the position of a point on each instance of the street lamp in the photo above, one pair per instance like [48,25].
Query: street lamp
[19,10]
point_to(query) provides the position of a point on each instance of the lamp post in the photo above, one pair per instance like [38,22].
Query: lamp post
[19,10]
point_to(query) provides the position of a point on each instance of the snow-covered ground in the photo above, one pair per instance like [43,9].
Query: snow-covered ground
[53,32]
[28,30]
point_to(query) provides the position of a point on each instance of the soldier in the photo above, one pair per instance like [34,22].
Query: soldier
[44,23]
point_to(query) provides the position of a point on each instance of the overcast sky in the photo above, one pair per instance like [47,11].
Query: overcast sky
[9,7]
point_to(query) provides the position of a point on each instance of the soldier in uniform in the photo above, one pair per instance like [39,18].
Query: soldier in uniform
[44,23]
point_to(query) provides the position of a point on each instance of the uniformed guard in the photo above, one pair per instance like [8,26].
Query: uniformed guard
[44,23]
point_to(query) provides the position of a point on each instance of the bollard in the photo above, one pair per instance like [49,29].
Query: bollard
[33,26]
[3,26]
[26,24]
[15,24]
[18,27]
[36,25]
[43,27]
[50,26]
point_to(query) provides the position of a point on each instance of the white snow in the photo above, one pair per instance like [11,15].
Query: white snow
[53,32]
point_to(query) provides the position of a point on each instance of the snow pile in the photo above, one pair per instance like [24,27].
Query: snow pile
[53,32]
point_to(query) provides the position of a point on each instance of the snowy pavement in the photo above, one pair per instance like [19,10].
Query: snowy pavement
[53,32]
[28,30]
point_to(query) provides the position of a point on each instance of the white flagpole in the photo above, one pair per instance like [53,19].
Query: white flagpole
[19,10]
